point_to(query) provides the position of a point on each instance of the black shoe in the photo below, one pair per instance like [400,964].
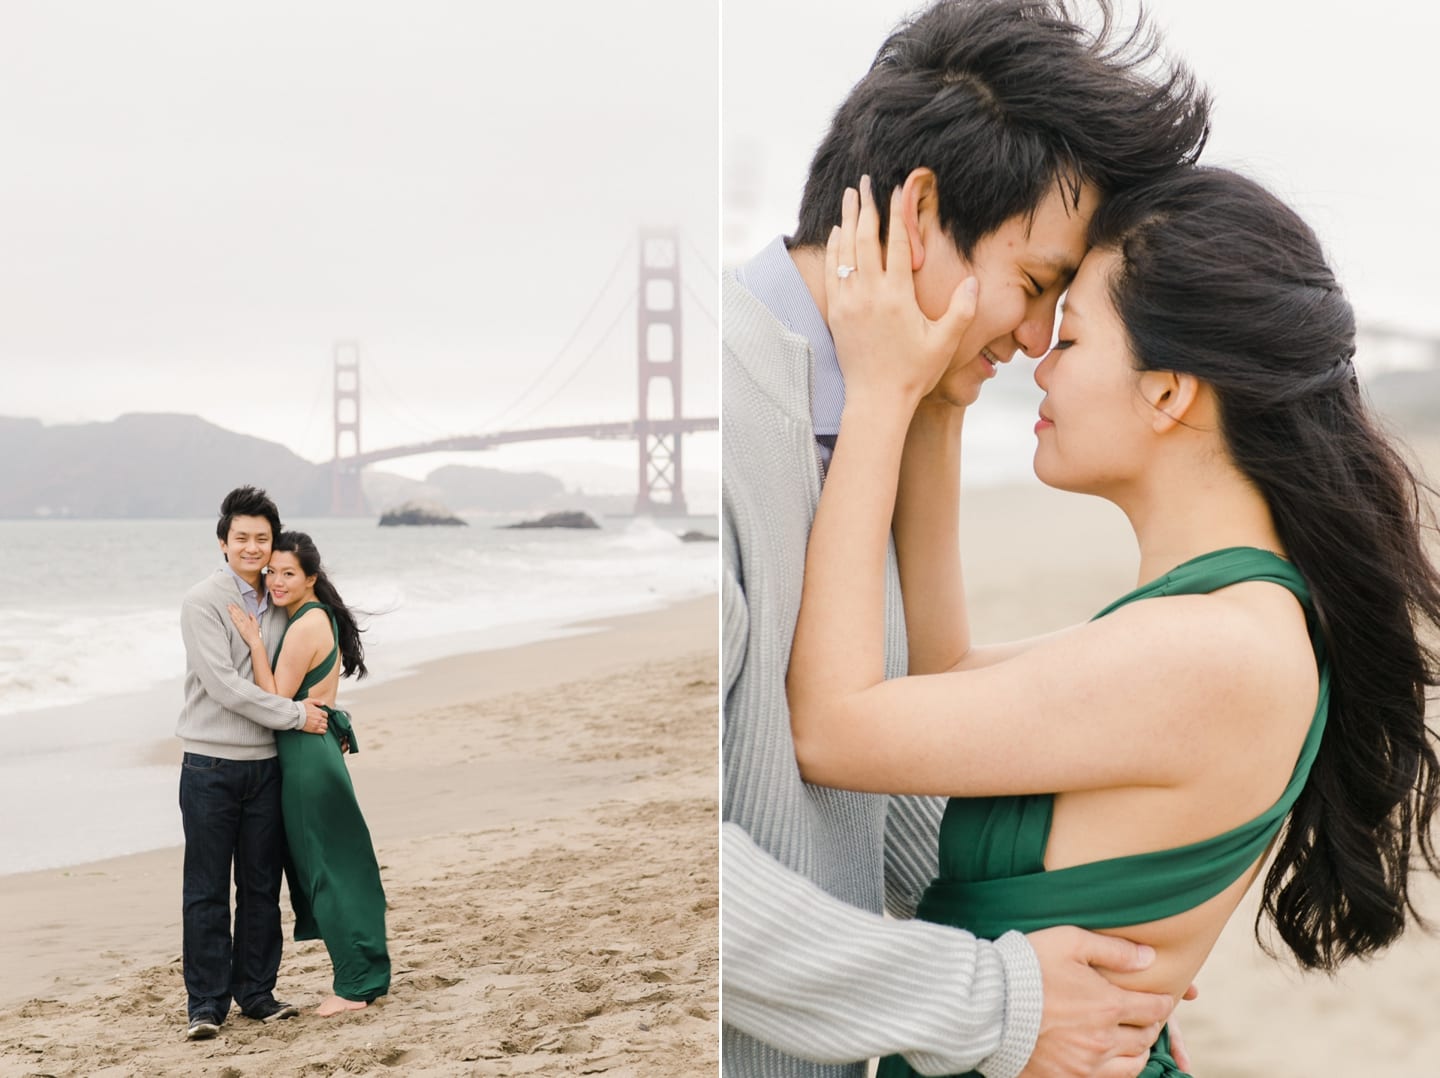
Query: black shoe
[202,1027]
[271,1010]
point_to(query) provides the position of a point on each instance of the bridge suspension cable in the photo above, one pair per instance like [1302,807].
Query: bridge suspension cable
[488,423]
[322,385]
[393,404]
[700,258]
[695,299]
[604,337]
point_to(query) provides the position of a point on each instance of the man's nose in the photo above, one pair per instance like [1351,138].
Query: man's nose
[1037,331]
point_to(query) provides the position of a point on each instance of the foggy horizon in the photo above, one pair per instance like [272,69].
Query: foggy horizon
[208,199]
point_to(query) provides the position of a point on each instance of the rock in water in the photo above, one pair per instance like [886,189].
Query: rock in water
[698,537]
[558,520]
[419,513]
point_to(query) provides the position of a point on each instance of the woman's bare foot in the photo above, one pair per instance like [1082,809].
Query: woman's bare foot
[334,1005]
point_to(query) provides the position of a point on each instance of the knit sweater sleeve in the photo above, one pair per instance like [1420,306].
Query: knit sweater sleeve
[734,616]
[207,651]
[821,980]
[912,850]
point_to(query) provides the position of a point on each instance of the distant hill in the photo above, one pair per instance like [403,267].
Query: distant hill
[163,465]
[145,466]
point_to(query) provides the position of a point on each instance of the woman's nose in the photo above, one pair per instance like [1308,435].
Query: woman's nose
[1042,371]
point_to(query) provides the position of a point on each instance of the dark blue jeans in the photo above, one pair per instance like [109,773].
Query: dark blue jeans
[231,811]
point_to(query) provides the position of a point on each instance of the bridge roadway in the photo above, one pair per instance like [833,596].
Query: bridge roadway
[465,443]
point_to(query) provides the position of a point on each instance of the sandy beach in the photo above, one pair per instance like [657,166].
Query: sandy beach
[545,816]
[545,819]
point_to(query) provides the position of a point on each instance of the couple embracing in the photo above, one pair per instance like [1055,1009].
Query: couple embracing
[264,788]
[1061,826]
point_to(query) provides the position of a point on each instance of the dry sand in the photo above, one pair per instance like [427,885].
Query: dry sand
[545,818]
[1036,560]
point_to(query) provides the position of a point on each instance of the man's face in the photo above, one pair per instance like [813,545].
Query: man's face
[247,545]
[1023,267]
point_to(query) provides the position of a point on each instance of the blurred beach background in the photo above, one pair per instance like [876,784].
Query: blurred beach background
[245,240]
[1330,105]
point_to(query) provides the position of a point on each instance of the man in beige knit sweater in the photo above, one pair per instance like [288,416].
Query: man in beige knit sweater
[230,780]
[986,114]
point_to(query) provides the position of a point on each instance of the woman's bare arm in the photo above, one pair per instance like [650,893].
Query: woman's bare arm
[307,641]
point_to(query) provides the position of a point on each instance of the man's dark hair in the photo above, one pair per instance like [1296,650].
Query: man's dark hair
[1002,99]
[247,502]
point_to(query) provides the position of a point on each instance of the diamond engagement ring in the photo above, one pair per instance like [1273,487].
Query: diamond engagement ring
[844,271]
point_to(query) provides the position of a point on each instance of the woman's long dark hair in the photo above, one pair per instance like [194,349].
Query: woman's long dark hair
[352,652]
[1221,280]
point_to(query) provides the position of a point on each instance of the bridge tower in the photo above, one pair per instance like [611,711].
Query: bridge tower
[661,491]
[347,495]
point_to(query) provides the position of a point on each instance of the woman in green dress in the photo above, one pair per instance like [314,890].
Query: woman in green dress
[333,876]
[1130,774]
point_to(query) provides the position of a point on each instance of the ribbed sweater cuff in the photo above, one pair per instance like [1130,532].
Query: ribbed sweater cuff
[1024,1001]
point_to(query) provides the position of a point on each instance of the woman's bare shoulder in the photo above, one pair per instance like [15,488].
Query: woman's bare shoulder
[312,626]
[1245,645]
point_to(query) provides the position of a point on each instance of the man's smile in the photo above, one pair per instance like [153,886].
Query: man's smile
[992,361]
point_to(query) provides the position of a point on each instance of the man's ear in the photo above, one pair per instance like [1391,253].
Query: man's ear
[1171,396]
[918,200]
[224,555]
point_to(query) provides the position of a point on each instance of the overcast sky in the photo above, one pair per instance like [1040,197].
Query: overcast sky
[1331,104]
[200,198]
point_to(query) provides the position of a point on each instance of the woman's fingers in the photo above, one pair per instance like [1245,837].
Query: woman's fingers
[897,241]
[882,335]
[960,313]
[849,219]
[246,623]
[867,234]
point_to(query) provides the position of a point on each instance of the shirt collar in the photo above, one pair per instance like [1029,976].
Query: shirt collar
[255,602]
[772,278]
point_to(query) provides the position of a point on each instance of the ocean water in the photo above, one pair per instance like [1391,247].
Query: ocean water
[91,659]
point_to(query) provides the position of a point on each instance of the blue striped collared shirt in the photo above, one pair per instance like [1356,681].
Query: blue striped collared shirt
[255,602]
[771,277]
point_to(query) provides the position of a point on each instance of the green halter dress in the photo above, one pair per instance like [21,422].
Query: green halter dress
[992,849]
[334,879]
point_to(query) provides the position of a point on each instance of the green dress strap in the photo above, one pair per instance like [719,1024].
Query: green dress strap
[1140,887]
[321,670]
[340,724]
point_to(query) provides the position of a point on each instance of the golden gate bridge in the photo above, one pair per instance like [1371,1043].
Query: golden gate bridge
[657,430]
